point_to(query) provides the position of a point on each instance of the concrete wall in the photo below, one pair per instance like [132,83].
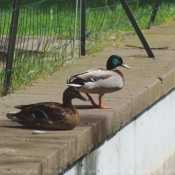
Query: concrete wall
[144,146]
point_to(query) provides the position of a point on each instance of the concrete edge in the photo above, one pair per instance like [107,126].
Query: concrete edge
[94,135]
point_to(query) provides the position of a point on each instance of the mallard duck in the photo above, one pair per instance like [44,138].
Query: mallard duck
[100,81]
[50,115]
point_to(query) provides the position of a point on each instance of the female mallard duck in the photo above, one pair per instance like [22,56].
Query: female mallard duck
[100,81]
[50,115]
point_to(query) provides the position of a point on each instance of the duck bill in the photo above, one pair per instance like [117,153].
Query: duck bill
[125,65]
[82,98]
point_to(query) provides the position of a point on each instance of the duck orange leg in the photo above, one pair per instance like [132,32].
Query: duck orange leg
[92,101]
[100,104]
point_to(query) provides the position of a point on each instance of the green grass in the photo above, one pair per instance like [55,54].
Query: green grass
[116,26]
[107,25]
[34,67]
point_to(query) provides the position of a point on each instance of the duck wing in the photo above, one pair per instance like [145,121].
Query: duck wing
[89,76]
[39,112]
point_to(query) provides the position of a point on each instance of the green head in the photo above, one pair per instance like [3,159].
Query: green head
[114,61]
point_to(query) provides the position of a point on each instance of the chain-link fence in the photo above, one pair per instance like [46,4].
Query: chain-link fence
[48,33]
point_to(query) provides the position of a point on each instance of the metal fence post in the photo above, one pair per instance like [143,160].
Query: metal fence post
[75,27]
[11,47]
[83,27]
[154,12]
[137,29]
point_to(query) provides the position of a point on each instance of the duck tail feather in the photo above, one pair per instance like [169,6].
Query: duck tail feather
[78,82]
[19,106]
[11,115]
[74,85]
[71,80]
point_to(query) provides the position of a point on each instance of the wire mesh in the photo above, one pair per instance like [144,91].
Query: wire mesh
[5,15]
[48,34]
[44,39]
[107,21]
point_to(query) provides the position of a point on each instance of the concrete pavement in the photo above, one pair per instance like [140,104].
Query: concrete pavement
[23,152]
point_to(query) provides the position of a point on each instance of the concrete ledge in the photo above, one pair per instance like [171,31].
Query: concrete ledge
[22,152]
[55,150]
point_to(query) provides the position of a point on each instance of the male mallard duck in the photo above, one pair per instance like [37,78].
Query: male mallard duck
[50,115]
[100,81]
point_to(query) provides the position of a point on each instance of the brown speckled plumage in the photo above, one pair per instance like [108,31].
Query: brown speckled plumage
[50,115]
